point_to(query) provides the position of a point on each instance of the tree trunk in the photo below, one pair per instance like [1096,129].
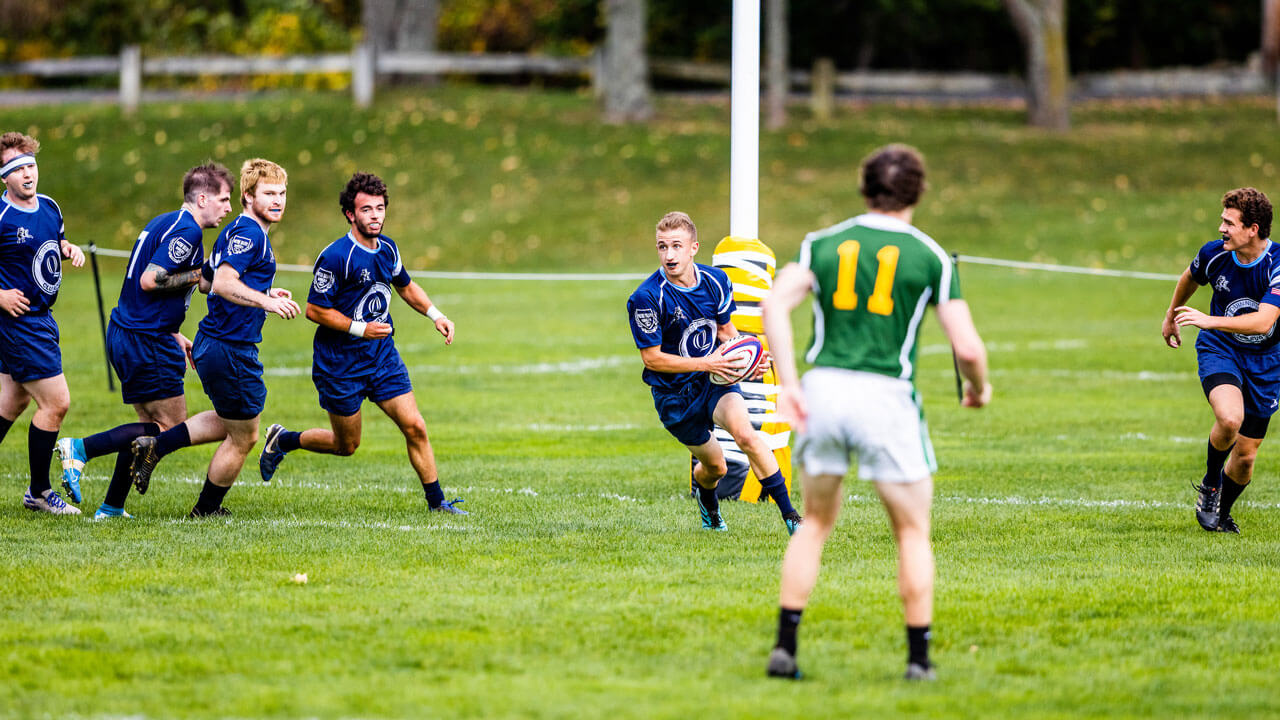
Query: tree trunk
[776,63]
[1270,36]
[625,80]
[1042,27]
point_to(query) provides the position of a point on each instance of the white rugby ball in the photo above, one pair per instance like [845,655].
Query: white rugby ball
[745,347]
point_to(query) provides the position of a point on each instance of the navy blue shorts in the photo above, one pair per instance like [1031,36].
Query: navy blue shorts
[232,377]
[29,347]
[149,363]
[342,395]
[687,413]
[1258,373]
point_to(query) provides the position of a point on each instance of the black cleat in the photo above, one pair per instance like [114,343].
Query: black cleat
[916,671]
[196,512]
[144,461]
[782,664]
[1226,524]
[1207,506]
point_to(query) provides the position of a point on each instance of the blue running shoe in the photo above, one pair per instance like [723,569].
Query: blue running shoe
[71,452]
[793,521]
[451,507]
[107,512]
[271,453]
[711,519]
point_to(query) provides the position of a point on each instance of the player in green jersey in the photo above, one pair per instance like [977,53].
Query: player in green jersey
[872,276]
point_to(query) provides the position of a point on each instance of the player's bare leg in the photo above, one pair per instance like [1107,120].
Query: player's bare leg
[1227,404]
[342,440]
[403,411]
[708,470]
[909,506]
[731,414]
[225,467]
[13,401]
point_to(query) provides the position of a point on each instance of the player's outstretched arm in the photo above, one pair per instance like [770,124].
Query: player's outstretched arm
[971,354]
[158,279]
[335,320]
[789,289]
[658,361]
[417,299]
[1254,323]
[228,285]
[1182,292]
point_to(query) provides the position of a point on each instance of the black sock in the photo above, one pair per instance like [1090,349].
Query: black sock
[708,499]
[289,441]
[175,438]
[776,486]
[1214,460]
[788,623]
[918,645]
[435,495]
[5,424]
[39,454]
[118,490]
[117,439]
[211,497]
[1230,491]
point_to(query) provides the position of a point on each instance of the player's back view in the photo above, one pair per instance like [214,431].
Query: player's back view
[872,276]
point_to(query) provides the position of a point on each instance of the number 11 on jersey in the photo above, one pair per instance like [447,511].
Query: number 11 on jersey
[881,300]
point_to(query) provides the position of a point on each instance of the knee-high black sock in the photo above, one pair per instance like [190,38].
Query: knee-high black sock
[788,623]
[1230,491]
[918,645]
[708,499]
[39,453]
[175,438]
[117,438]
[776,486]
[1214,460]
[211,496]
[5,424]
[118,490]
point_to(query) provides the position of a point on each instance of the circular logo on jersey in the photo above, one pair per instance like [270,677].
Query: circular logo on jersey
[323,282]
[698,338]
[179,251]
[46,267]
[1247,305]
[374,304]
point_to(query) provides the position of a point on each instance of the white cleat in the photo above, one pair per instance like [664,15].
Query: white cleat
[50,502]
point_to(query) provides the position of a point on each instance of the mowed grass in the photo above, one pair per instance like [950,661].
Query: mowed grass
[1072,579]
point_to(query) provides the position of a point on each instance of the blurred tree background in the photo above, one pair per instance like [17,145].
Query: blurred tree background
[857,34]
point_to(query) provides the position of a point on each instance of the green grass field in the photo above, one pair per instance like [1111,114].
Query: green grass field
[1072,579]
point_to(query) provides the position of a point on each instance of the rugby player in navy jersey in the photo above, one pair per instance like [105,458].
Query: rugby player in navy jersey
[144,338]
[354,356]
[33,243]
[1238,349]
[240,270]
[679,316]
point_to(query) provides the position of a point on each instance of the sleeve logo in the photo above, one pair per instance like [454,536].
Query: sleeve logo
[179,250]
[647,319]
[239,245]
[324,281]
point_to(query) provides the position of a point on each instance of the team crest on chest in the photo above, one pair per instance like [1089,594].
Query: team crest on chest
[46,267]
[1221,284]
[698,338]
[647,319]
[24,235]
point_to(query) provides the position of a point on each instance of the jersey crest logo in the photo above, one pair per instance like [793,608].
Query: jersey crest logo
[239,245]
[179,250]
[698,338]
[1242,306]
[24,235]
[1220,284]
[324,281]
[46,267]
[365,276]
[647,319]
[375,304]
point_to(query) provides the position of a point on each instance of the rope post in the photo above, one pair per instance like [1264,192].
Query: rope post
[102,314]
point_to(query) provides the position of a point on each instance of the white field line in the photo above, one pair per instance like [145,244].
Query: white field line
[568,367]
[299,523]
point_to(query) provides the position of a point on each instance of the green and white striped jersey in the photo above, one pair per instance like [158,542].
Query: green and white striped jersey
[874,277]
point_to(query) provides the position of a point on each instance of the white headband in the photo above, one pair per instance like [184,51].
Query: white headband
[17,162]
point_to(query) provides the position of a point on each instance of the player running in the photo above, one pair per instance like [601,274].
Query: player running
[33,243]
[145,343]
[354,356]
[240,270]
[872,276]
[679,316]
[1239,351]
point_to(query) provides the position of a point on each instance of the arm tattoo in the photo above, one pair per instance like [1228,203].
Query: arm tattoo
[166,281]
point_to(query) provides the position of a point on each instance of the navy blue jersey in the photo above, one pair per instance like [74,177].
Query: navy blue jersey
[683,321]
[244,246]
[356,281]
[1238,289]
[31,251]
[174,241]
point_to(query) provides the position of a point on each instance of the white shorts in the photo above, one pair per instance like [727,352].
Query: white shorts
[876,416]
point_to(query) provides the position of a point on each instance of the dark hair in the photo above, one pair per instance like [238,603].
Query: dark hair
[366,183]
[208,179]
[1254,207]
[892,177]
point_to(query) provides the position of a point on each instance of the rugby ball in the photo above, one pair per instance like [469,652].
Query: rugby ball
[747,348]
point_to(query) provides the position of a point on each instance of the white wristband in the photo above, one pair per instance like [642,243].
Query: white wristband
[434,313]
[357,328]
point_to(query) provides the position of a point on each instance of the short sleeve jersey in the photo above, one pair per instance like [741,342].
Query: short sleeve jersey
[31,251]
[356,281]
[243,245]
[874,278]
[1239,289]
[173,241]
[682,321]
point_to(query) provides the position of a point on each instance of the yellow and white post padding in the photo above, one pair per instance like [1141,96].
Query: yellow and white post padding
[750,264]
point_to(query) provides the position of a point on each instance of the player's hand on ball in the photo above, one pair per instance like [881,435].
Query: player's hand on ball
[375,330]
[73,252]
[792,409]
[444,326]
[766,362]
[14,302]
[727,366]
